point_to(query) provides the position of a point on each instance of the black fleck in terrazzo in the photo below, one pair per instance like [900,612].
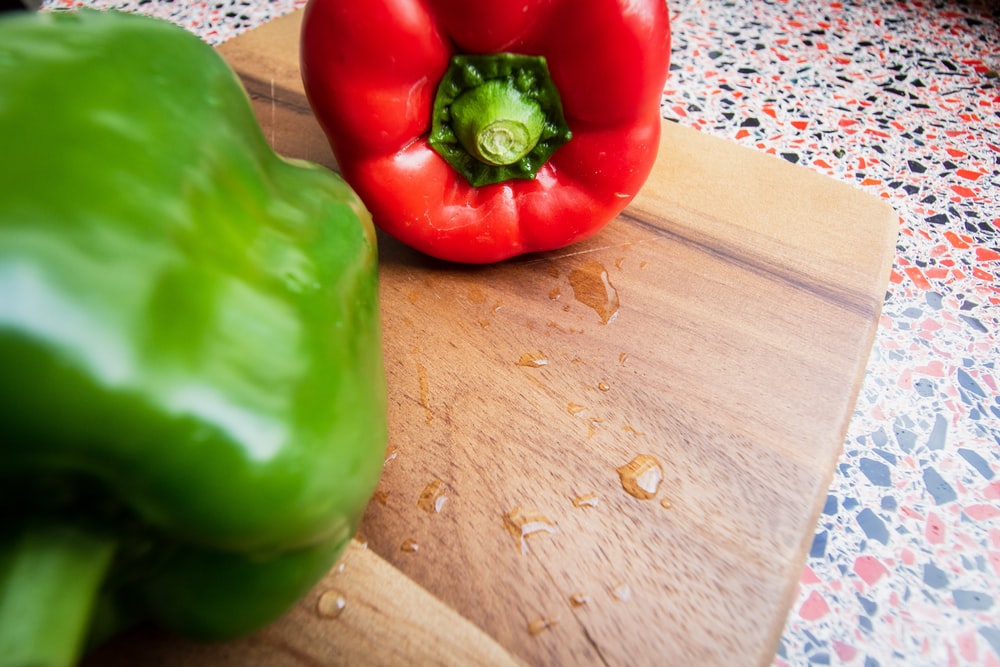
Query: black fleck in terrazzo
[901,99]
[214,21]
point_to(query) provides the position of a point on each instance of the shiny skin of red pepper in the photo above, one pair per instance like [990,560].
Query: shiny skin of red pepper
[371,70]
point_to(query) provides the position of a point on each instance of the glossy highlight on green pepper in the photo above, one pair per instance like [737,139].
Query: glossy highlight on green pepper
[192,401]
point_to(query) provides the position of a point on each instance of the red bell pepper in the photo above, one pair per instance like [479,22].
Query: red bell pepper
[477,130]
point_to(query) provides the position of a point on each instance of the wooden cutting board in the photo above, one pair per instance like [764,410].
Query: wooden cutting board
[714,336]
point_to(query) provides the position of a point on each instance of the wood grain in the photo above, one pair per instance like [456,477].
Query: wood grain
[364,612]
[720,326]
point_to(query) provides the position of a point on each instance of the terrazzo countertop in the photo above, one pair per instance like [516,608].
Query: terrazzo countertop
[901,99]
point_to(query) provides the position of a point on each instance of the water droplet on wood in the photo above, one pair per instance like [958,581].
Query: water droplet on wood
[586,500]
[541,624]
[575,408]
[432,498]
[593,288]
[532,360]
[521,524]
[604,386]
[393,453]
[622,592]
[578,599]
[409,546]
[476,295]
[592,426]
[666,503]
[330,604]
[641,476]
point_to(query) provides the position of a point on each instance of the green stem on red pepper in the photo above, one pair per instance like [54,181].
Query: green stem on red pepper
[386,80]
[495,124]
[497,117]
[50,577]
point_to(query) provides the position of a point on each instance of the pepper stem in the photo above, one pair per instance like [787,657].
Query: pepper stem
[496,123]
[497,117]
[49,580]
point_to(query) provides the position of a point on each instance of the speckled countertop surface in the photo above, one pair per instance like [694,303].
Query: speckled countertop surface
[901,99]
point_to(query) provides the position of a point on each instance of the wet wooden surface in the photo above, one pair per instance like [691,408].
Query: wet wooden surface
[363,612]
[714,337]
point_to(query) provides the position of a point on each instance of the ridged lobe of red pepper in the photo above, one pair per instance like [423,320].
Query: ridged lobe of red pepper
[371,70]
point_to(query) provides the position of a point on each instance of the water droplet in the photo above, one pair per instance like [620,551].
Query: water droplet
[592,288]
[586,500]
[330,604]
[477,295]
[618,262]
[523,523]
[541,624]
[592,426]
[622,358]
[603,386]
[432,498]
[532,360]
[393,453]
[555,294]
[381,497]
[666,503]
[339,568]
[575,408]
[409,546]
[578,599]
[622,592]
[641,476]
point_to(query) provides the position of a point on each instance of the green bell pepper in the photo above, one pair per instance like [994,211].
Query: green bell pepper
[192,394]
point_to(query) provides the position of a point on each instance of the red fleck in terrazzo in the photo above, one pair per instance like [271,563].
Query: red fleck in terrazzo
[215,22]
[900,99]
